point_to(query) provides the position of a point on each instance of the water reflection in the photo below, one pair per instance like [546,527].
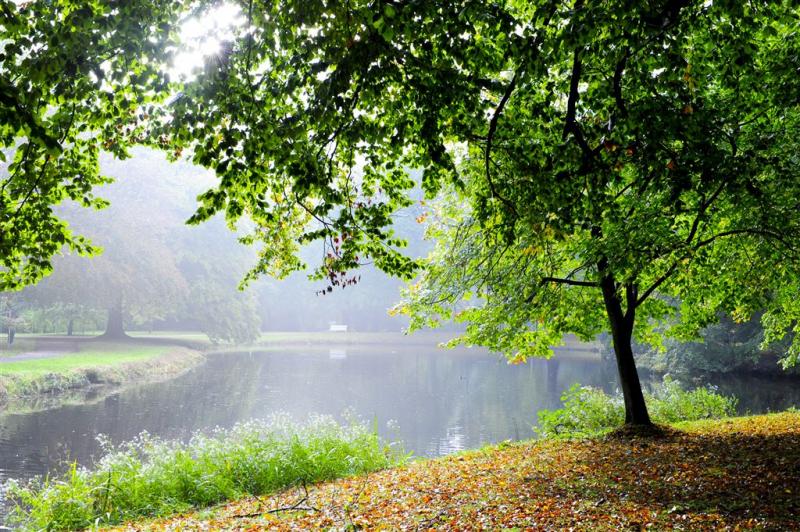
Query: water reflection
[439,401]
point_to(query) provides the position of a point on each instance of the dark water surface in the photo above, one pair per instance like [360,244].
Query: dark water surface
[434,401]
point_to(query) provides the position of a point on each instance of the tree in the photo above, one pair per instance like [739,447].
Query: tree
[10,319]
[72,76]
[597,160]
[213,263]
[152,267]
[137,274]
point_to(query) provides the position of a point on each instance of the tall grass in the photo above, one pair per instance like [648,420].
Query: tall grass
[154,477]
[588,411]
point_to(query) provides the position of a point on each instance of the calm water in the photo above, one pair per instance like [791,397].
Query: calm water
[439,401]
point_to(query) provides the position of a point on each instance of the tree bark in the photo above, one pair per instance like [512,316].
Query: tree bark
[622,334]
[70,327]
[114,326]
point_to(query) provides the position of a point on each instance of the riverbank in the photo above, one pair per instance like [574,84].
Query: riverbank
[419,338]
[735,473]
[69,368]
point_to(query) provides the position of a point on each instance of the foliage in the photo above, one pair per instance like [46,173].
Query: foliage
[669,205]
[732,474]
[726,346]
[73,76]
[588,411]
[152,477]
[224,315]
[672,404]
[593,155]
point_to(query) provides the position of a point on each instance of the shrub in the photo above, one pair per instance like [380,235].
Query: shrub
[588,411]
[669,403]
[152,477]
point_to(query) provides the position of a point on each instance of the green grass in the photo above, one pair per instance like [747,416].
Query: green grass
[34,383]
[153,477]
[106,354]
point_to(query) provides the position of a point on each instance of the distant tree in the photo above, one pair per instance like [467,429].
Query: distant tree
[725,346]
[152,266]
[137,274]
[594,158]
[223,314]
[10,317]
[213,263]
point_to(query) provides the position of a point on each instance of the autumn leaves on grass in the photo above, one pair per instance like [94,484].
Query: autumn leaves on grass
[737,472]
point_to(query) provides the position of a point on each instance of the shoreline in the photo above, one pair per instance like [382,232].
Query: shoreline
[33,390]
[620,481]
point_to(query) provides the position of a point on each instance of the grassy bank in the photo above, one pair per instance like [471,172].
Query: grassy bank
[735,473]
[86,363]
[149,476]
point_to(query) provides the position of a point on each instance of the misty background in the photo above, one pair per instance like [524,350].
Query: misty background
[162,274]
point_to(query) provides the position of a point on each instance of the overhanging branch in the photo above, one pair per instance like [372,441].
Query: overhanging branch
[490,138]
[767,233]
[571,282]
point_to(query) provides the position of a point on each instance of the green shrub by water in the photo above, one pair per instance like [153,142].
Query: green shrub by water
[152,477]
[588,411]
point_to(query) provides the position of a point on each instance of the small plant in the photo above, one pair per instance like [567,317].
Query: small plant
[153,477]
[588,411]
[669,403]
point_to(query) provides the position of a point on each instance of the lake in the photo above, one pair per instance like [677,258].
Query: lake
[433,401]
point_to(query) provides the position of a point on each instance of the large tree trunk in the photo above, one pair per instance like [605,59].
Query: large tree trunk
[622,334]
[71,327]
[114,325]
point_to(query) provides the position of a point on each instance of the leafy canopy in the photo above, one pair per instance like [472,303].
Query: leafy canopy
[618,154]
[645,148]
[72,78]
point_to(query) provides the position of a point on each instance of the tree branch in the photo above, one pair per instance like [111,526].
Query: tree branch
[490,138]
[704,205]
[702,243]
[617,85]
[572,282]
[748,231]
[570,124]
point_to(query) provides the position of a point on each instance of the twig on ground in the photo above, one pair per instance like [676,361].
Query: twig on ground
[297,506]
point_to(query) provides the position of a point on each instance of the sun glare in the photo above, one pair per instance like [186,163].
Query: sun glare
[202,36]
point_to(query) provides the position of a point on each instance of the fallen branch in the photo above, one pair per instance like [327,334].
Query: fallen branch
[297,506]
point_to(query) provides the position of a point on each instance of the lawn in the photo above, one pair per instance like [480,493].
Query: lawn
[90,354]
[735,473]
[60,365]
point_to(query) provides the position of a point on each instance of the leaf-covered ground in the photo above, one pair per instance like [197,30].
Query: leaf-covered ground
[740,473]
